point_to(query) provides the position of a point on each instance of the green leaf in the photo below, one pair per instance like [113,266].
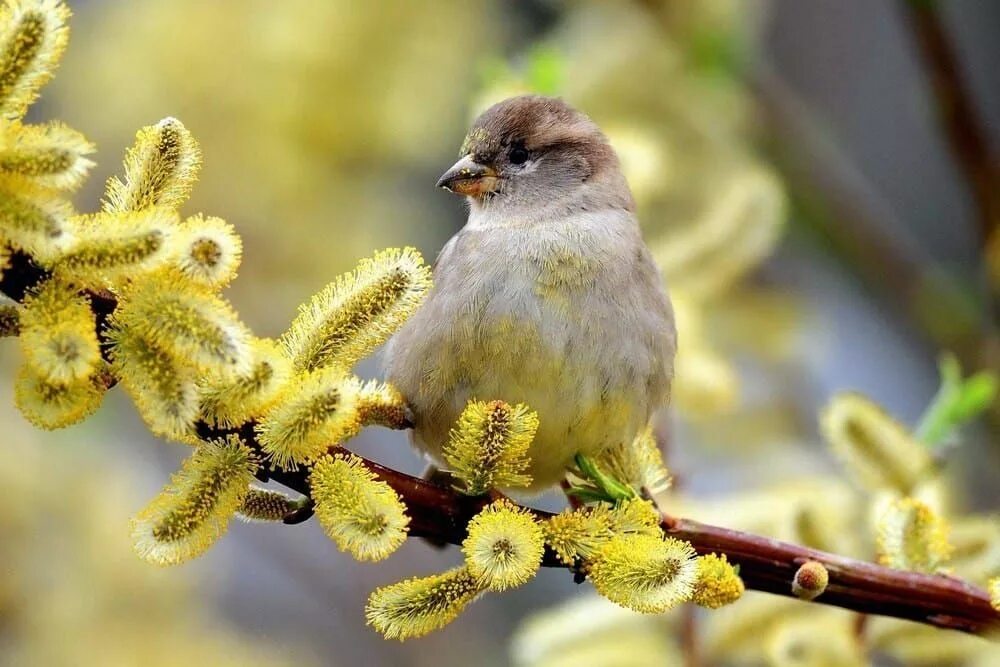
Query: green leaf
[606,483]
[957,402]
[588,494]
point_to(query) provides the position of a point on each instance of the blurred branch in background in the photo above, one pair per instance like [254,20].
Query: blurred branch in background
[832,198]
[956,109]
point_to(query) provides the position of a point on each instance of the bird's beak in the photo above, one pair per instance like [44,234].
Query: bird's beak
[468,177]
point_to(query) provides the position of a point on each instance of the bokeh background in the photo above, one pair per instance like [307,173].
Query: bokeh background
[794,182]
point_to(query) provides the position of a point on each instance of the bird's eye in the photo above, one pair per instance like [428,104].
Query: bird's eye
[518,155]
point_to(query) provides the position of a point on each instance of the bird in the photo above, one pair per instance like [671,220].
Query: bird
[548,296]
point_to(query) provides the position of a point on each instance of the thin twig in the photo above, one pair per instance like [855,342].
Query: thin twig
[442,514]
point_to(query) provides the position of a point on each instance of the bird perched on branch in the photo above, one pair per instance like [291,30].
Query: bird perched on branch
[548,296]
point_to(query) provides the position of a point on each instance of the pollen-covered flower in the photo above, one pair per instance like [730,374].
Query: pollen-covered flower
[58,334]
[361,513]
[578,534]
[504,547]
[266,505]
[877,449]
[33,37]
[109,248]
[488,448]
[811,580]
[207,251]
[320,412]
[416,607]
[635,516]
[644,573]
[160,169]
[33,219]
[381,404]
[717,583]
[50,155]
[52,406]
[190,324]
[194,509]
[639,463]
[358,312]
[229,401]
[165,392]
[994,588]
[912,537]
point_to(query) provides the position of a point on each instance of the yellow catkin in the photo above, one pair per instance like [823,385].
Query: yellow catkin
[50,155]
[5,252]
[165,392]
[34,220]
[741,226]
[363,515]
[488,448]
[381,404]
[910,536]
[635,516]
[639,463]
[194,509]
[644,573]
[802,642]
[52,406]
[58,334]
[190,324]
[230,401]
[811,580]
[416,607]
[504,547]
[357,312]
[33,38]
[111,248]
[976,542]
[578,534]
[207,251]
[319,410]
[160,169]
[717,583]
[874,447]
[266,505]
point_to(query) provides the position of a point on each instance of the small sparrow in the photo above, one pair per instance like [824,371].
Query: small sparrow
[548,296]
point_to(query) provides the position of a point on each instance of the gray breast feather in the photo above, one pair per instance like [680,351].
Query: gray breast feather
[570,318]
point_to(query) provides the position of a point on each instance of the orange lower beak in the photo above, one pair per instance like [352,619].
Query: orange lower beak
[468,177]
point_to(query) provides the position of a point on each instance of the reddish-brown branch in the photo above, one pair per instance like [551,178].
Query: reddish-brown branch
[442,514]
[765,564]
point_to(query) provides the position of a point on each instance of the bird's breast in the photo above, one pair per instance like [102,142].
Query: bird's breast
[552,318]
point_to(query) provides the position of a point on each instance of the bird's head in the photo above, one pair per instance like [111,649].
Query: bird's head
[534,151]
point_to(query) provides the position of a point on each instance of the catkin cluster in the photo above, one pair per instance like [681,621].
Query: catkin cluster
[132,295]
[618,544]
[897,469]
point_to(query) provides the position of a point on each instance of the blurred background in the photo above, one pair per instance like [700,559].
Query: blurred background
[795,180]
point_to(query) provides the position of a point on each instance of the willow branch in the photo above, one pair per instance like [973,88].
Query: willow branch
[765,564]
[442,514]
